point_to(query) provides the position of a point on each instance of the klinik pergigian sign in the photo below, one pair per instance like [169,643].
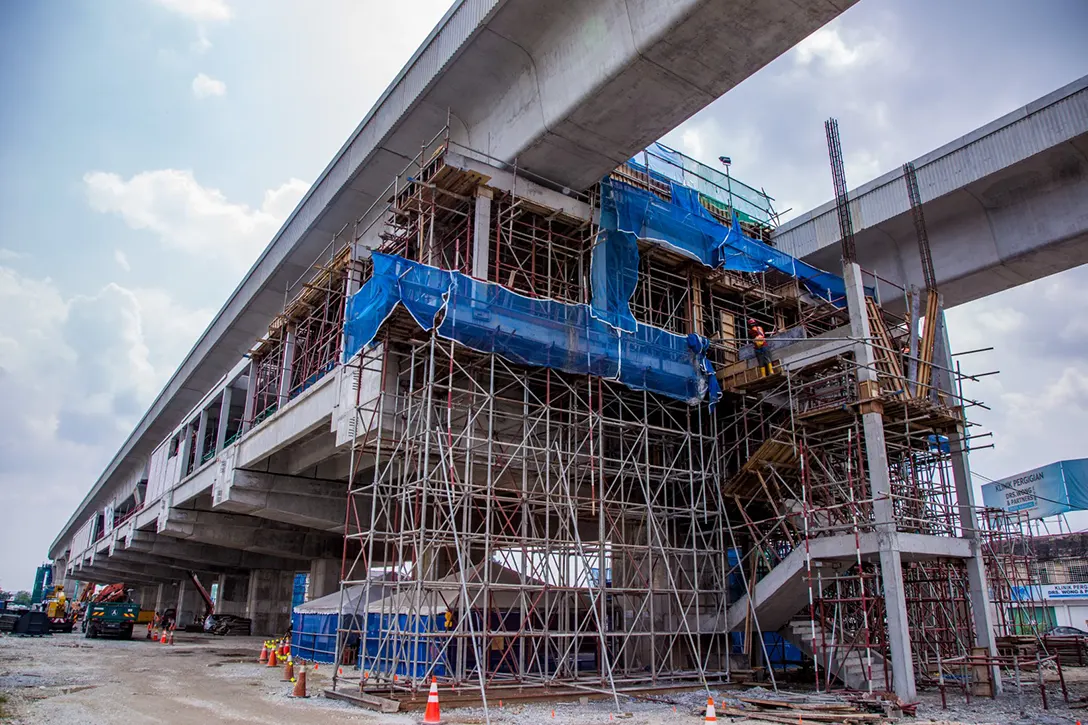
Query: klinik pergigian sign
[1040,492]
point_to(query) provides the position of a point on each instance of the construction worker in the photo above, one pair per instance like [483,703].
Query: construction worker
[759,342]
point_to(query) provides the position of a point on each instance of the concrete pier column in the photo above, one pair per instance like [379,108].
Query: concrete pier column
[979,591]
[324,577]
[190,605]
[876,455]
[224,419]
[268,601]
[288,366]
[481,233]
[201,434]
[186,450]
[230,596]
[251,397]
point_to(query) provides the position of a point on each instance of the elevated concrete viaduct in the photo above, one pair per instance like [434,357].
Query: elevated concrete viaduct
[563,89]
[1004,205]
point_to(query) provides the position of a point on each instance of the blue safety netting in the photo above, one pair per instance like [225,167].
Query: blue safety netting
[685,225]
[613,276]
[602,338]
[577,339]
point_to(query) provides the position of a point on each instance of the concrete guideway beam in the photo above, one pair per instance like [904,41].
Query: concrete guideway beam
[237,531]
[569,103]
[205,555]
[177,567]
[1003,206]
[108,572]
[312,458]
[313,503]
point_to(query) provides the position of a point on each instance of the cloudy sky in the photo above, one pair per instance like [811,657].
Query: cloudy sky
[149,149]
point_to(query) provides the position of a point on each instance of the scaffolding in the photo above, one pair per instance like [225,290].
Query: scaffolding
[304,342]
[511,527]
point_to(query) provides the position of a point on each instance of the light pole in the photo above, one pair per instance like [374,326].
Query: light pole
[727,162]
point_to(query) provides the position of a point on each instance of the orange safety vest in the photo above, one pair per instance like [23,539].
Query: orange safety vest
[758,338]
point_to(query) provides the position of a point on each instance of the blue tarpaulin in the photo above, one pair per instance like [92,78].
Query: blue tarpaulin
[686,226]
[602,338]
[545,333]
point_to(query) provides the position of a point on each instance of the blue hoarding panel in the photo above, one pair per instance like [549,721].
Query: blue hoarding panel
[1041,492]
[1075,474]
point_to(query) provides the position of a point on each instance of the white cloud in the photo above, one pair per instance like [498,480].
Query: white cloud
[827,47]
[76,374]
[10,255]
[201,11]
[204,86]
[692,142]
[1039,400]
[122,260]
[192,218]
[202,44]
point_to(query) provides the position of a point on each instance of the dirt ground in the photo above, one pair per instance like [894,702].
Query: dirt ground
[201,679]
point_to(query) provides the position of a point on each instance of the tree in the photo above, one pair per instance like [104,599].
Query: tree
[22,597]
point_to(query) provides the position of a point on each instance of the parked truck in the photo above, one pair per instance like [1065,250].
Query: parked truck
[110,618]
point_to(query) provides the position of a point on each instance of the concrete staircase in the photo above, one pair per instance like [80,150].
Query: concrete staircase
[851,666]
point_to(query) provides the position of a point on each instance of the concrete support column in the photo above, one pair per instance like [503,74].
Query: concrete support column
[224,419]
[190,605]
[159,598]
[978,592]
[876,454]
[201,433]
[352,284]
[251,397]
[481,233]
[231,595]
[324,577]
[288,364]
[186,449]
[978,588]
[268,601]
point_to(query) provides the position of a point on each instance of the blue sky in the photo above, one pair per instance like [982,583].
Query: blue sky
[150,148]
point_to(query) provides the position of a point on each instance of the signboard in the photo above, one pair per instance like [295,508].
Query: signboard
[1041,492]
[1065,591]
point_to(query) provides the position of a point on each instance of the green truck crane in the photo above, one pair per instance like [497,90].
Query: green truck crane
[111,613]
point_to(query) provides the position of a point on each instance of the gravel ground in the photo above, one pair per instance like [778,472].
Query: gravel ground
[70,680]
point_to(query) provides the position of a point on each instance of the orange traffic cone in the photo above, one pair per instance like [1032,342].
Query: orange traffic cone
[149,630]
[432,714]
[300,684]
[264,654]
[289,671]
[162,639]
[171,640]
[711,716]
[272,660]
